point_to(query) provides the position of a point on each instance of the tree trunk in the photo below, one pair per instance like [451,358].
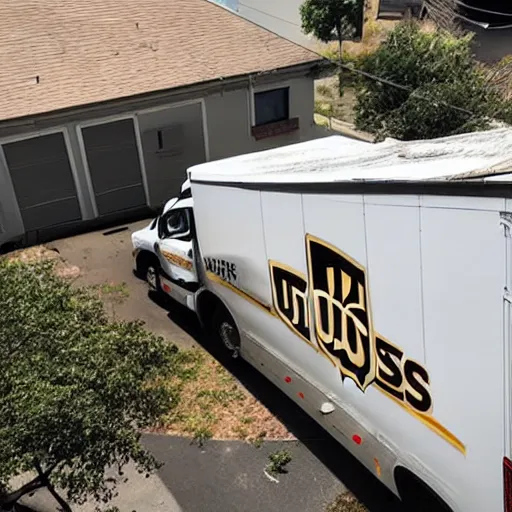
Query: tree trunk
[340,59]
[7,501]
[46,481]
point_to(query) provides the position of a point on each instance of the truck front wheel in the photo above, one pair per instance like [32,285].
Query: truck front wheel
[148,268]
[225,330]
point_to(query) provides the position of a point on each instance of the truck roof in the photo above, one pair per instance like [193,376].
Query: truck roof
[480,156]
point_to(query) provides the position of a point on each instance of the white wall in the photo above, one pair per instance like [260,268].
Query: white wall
[230,116]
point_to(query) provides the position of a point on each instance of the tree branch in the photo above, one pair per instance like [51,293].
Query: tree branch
[46,481]
[9,500]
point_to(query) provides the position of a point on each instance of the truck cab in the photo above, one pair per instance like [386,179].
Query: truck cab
[167,256]
[166,251]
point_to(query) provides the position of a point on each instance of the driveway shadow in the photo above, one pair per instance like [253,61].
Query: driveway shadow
[365,486]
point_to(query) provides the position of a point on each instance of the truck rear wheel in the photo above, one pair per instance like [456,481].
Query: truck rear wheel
[417,495]
[225,330]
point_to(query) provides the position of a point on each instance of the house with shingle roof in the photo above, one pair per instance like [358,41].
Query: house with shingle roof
[104,105]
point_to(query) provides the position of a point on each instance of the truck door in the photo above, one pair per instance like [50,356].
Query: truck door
[175,249]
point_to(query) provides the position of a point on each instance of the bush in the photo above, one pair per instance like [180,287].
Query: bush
[432,64]
[75,387]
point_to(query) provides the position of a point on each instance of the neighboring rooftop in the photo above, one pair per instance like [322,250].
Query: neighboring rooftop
[57,55]
[340,159]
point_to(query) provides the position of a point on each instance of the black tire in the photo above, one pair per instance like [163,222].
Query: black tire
[417,496]
[225,331]
[149,270]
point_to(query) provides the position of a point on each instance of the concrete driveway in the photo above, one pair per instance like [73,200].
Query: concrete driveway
[105,260]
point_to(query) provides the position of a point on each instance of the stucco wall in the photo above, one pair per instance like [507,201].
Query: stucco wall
[230,117]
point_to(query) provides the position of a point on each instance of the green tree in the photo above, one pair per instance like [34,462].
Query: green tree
[75,388]
[323,18]
[444,91]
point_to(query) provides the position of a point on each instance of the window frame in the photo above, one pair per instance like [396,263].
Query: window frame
[268,91]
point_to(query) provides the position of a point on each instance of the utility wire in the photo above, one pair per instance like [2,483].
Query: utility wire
[399,86]
[371,76]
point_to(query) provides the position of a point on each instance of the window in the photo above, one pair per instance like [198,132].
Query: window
[175,224]
[272,106]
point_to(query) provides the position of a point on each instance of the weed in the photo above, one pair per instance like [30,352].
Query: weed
[241,431]
[260,438]
[278,462]
[187,364]
[115,289]
[324,109]
[209,399]
[224,375]
[220,396]
[115,292]
[324,90]
[201,435]
[346,502]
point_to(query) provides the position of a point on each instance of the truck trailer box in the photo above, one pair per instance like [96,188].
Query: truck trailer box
[372,284]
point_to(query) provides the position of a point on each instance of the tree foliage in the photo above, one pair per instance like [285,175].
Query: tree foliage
[75,387]
[439,72]
[322,18]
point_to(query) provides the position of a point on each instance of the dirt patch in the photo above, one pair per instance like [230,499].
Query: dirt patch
[346,502]
[329,102]
[40,253]
[212,404]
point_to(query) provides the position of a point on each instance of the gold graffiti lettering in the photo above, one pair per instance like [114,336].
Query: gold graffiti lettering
[285,295]
[346,311]
[296,295]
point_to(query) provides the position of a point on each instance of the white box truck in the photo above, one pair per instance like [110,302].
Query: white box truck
[372,283]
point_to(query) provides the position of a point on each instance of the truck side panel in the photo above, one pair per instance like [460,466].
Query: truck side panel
[230,233]
[284,238]
[429,271]
[464,277]
[422,280]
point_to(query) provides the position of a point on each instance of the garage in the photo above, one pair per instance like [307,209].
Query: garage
[43,181]
[114,166]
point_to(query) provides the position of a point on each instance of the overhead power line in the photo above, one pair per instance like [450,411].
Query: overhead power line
[351,69]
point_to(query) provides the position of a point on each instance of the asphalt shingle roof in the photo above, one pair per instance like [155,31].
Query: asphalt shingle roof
[56,55]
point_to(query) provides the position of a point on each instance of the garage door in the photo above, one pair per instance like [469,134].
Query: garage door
[43,181]
[114,166]
[172,141]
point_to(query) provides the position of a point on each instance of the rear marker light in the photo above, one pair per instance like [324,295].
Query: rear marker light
[301,395]
[288,379]
[166,288]
[507,484]
[357,439]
